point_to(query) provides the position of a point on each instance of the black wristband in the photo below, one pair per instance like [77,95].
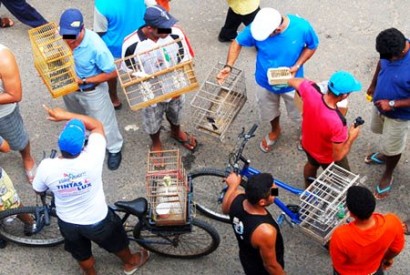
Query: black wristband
[228,66]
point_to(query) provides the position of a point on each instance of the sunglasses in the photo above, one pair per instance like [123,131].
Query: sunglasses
[274,191]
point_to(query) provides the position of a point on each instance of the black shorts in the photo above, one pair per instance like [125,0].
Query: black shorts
[344,163]
[108,234]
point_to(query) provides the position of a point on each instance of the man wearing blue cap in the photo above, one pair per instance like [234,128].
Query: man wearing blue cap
[159,31]
[325,135]
[75,178]
[94,65]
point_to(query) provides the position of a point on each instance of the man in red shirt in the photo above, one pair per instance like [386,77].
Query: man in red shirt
[369,243]
[325,135]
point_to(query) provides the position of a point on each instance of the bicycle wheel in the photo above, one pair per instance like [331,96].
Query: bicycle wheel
[209,189]
[12,228]
[202,240]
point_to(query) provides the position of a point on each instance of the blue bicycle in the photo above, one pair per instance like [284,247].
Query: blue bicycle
[320,209]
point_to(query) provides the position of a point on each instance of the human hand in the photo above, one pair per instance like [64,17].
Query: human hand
[354,132]
[293,70]
[233,179]
[383,105]
[56,114]
[222,75]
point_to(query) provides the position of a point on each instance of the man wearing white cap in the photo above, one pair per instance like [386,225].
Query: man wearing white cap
[281,41]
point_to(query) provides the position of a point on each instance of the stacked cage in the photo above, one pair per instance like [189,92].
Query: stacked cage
[323,203]
[217,105]
[157,74]
[167,189]
[53,60]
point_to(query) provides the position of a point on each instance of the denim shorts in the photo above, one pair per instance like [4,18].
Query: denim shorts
[108,234]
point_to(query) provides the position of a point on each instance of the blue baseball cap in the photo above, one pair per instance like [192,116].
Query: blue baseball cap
[342,82]
[72,138]
[157,17]
[71,22]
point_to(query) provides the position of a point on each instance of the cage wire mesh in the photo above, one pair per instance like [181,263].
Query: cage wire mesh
[167,189]
[323,203]
[156,75]
[217,105]
[53,60]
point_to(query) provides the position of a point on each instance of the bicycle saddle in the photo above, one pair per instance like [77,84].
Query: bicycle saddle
[137,207]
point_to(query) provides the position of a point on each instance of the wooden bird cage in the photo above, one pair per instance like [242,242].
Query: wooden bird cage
[216,106]
[53,60]
[279,76]
[156,75]
[167,188]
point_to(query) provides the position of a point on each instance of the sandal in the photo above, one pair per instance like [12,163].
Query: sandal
[30,174]
[380,194]
[374,159]
[406,227]
[144,256]
[189,143]
[6,22]
[266,144]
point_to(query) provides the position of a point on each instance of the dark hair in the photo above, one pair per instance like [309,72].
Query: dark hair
[390,43]
[258,187]
[67,155]
[360,201]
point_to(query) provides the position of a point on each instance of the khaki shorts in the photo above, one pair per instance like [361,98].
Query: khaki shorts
[269,107]
[8,195]
[394,133]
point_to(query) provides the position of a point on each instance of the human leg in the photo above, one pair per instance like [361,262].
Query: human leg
[24,12]
[310,169]
[229,30]
[88,266]
[248,18]
[152,120]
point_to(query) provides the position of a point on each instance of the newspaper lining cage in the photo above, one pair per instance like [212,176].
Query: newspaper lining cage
[167,189]
[216,106]
[53,60]
[157,74]
[279,76]
[323,203]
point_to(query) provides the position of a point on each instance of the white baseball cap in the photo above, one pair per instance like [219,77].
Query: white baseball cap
[266,21]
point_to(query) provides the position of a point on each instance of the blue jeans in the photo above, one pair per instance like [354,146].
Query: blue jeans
[24,12]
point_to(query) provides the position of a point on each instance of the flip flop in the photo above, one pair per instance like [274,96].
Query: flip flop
[380,194]
[30,174]
[143,260]
[190,143]
[373,159]
[406,227]
[269,144]
[6,22]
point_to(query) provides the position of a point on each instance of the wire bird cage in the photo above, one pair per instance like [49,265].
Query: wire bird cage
[156,75]
[167,188]
[323,203]
[53,60]
[279,76]
[216,106]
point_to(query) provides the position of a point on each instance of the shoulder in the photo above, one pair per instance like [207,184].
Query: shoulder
[264,234]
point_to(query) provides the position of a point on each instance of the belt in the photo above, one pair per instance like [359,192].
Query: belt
[88,89]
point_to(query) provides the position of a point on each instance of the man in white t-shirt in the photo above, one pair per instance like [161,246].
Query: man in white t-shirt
[75,178]
[159,31]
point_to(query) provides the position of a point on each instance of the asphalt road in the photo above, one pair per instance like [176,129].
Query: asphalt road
[347,31]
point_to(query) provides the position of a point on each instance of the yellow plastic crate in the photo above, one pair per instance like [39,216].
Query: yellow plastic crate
[53,60]
[156,75]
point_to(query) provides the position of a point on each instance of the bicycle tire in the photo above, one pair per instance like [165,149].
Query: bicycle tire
[12,228]
[207,186]
[201,241]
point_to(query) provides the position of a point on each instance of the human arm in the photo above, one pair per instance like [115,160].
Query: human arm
[305,55]
[264,238]
[59,114]
[10,76]
[100,25]
[97,79]
[340,150]
[372,86]
[295,82]
[233,53]
[383,104]
[233,181]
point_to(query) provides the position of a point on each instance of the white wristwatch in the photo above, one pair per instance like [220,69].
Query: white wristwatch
[392,103]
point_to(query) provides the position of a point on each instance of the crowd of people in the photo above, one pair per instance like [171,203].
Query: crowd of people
[366,245]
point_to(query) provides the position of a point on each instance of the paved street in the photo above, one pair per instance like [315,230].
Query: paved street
[347,31]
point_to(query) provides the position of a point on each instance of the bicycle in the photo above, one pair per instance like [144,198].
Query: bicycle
[191,239]
[322,205]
